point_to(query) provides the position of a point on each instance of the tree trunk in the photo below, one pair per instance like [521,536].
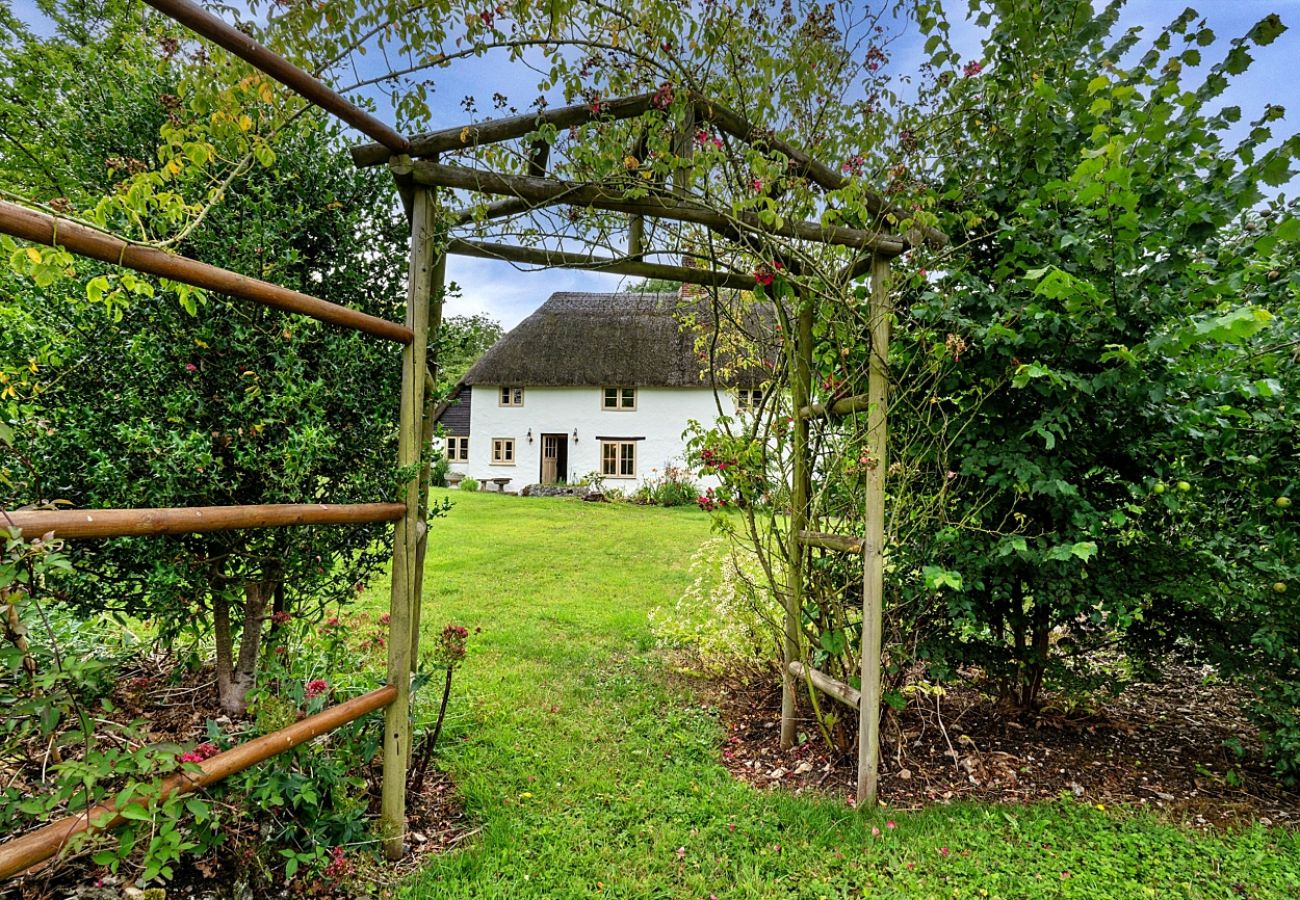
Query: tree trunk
[236,675]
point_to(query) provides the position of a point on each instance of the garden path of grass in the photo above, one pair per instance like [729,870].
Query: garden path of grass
[591,776]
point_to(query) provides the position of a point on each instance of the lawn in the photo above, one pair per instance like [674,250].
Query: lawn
[591,774]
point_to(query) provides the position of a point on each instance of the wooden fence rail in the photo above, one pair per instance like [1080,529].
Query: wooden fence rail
[307,86]
[41,228]
[108,523]
[22,853]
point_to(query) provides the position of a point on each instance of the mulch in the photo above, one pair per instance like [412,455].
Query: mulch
[1181,747]
[177,708]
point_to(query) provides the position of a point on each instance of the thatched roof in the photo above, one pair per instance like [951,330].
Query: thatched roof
[598,339]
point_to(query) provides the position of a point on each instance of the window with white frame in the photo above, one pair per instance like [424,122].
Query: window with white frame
[503,451]
[749,398]
[458,449]
[618,459]
[512,396]
[619,398]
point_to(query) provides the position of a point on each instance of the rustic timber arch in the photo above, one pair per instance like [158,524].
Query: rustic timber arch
[419,174]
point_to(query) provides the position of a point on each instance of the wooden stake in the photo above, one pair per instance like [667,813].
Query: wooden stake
[436,297]
[401,610]
[873,571]
[801,387]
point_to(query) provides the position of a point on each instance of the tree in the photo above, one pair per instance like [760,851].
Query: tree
[1101,206]
[148,403]
[461,341]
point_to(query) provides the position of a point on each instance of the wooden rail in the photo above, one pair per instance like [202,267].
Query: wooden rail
[563,260]
[826,684]
[41,228]
[307,86]
[824,541]
[733,123]
[37,846]
[844,407]
[549,190]
[494,130]
[107,523]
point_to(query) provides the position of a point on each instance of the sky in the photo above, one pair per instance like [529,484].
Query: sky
[507,294]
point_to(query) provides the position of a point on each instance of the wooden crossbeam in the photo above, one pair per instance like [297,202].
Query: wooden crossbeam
[108,523]
[826,684]
[736,125]
[495,130]
[557,259]
[825,541]
[310,88]
[844,407]
[548,190]
[41,228]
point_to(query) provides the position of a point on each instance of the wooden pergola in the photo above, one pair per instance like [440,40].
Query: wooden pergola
[414,163]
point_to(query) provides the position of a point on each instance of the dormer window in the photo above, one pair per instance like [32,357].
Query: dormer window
[619,398]
[512,396]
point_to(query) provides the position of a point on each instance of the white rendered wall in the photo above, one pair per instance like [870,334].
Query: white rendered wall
[660,417]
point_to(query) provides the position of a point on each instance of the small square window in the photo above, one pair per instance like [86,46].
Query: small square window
[503,451]
[749,398]
[619,398]
[512,396]
[458,449]
[618,459]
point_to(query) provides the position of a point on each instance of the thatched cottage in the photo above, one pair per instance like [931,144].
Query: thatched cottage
[589,383]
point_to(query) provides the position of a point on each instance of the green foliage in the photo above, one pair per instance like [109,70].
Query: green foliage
[468,484]
[1103,206]
[461,341]
[723,617]
[672,487]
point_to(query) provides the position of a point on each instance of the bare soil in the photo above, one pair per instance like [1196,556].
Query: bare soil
[1182,747]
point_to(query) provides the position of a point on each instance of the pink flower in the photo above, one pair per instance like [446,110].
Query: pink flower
[890,824]
[875,832]
[317,687]
[973,68]
[281,618]
[756,185]
[203,751]
[190,367]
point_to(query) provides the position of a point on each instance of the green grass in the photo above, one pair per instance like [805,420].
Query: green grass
[590,776]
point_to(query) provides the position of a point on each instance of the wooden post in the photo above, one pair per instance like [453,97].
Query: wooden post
[436,295]
[397,718]
[800,355]
[880,316]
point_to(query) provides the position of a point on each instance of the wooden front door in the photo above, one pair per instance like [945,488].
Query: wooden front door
[554,458]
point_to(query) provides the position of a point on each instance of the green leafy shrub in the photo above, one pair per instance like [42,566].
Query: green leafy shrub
[725,617]
[672,487]
[468,484]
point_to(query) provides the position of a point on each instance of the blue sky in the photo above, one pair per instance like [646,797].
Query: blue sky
[508,295]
